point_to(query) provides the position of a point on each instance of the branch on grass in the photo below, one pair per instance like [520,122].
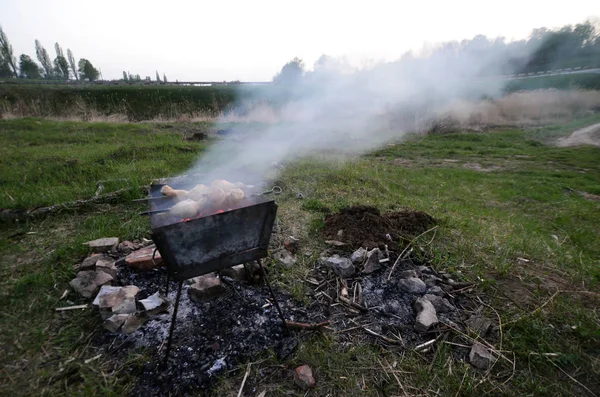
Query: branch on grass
[306,326]
[21,214]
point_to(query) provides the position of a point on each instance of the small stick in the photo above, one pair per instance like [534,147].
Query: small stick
[62,309]
[244,381]
[351,328]
[424,345]
[89,360]
[382,337]
[353,304]
[306,326]
[406,249]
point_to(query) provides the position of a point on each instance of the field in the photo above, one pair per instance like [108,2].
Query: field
[508,222]
[153,102]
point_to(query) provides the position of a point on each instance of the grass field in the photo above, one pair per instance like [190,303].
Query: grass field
[500,196]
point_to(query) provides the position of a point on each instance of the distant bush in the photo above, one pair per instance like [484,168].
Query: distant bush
[136,102]
[589,81]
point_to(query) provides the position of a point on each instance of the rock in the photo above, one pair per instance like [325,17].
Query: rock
[126,247]
[408,274]
[142,259]
[435,290]
[426,316]
[343,267]
[107,266]
[206,288]
[480,357]
[237,272]
[424,269]
[303,377]
[358,256]
[89,263]
[114,322]
[103,244]
[340,234]
[372,263]
[431,281]
[292,245]
[88,282]
[133,322]
[116,300]
[413,285]
[285,258]
[155,304]
[442,305]
[478,324]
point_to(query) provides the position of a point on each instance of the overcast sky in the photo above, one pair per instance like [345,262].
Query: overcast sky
[250,40]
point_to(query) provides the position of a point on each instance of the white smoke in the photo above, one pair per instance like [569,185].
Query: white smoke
[333,108]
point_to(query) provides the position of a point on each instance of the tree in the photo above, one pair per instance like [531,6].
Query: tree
[125,76]
[29,69]
[290,73]
[6,54]
[61,66]
[72,64]
[164,78]
[158,77]
[44,58]
[87,70]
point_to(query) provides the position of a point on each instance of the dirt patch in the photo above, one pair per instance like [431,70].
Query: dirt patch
[364,226]
[480,168]
[589,135]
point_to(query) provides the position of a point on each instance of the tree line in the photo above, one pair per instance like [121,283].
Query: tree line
[545,49]
[61,68]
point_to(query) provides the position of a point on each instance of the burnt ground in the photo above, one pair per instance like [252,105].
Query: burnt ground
[365,226]
[212,338]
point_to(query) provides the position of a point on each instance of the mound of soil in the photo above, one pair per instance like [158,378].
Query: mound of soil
[365,226]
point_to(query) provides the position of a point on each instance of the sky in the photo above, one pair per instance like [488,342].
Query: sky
[251,40]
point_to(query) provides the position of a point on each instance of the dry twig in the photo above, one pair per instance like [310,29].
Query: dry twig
[410,243]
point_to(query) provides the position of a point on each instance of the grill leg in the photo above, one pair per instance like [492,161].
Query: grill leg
[173,319]
[264,273]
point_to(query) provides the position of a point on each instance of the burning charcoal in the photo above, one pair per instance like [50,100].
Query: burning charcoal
[441,304]
[103,244]
[89,263]
[408,274]
[154,304]
[107,266]
[142,259]
[413,285]
[133,322]
[480,357]
[285,258]
[373,263]
[358,256]
[88,282]
[343,267]
[114,322]
[426,315]
[237,273]
[303,377]
[206,288]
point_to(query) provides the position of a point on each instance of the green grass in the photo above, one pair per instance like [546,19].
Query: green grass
[516,207]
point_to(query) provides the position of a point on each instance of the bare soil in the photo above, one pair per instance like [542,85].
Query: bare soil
[589,135]
[365,226]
